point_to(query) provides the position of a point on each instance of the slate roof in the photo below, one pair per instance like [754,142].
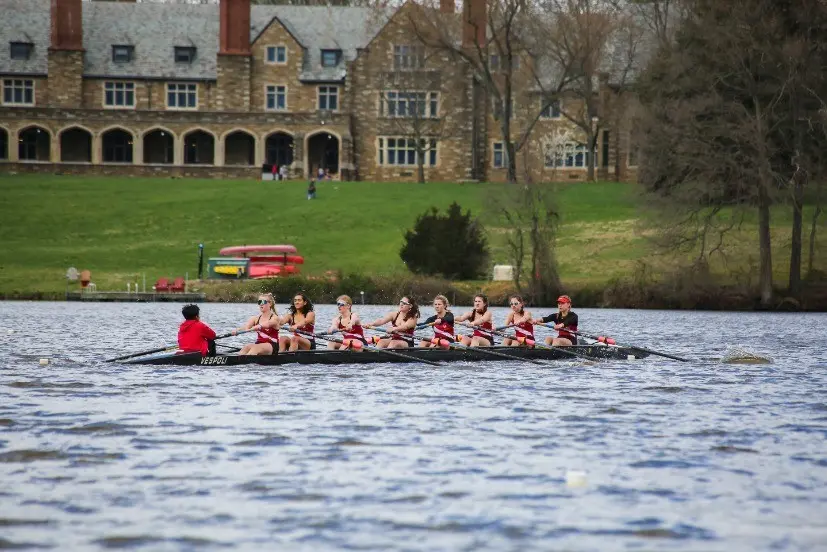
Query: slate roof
[155,29]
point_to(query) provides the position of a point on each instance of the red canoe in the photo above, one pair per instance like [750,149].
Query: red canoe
[280,259]
[245,250]
[268,270]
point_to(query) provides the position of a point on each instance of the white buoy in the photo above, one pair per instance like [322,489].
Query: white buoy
[11,332]
[576,478]
[44,361]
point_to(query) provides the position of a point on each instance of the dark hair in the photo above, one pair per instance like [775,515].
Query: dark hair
[190,312]
[308,306]
[414,308]
[520,299]
[484,300]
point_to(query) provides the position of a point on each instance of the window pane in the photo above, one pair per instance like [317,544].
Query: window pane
[271,54]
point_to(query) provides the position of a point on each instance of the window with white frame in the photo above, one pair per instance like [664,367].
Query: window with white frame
[498,155]
[182,95]
[395,103]
[277,54]
[276,98]
[329,98]
[569,155]
[18,92]
[408,56]
[498,108]
[119,94]
[403,152]
[550,110]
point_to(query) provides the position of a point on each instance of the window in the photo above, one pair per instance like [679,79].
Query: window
[122,53]
[330,58]
[410,104]
[403,151]
[18,92]
[184,54]
[276,98]
[408,57]
[277,54]
[569,155]
[182,96]
[496,63]
[499,155]
[4,144]
[604,148]
[550,110]
[119,94]
[329,98]
[498,109]
[20,50]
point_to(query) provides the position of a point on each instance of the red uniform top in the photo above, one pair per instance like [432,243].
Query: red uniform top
[445,329]
[306,328]
[267,335]
[524,329]
[356,332]
[402,335]
[193,336]
[479,331]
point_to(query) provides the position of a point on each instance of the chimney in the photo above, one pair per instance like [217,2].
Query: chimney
[235,27]
[474,23]
[446,6]
[67,25]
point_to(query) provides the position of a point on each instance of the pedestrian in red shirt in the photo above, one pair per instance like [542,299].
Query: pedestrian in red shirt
[193,335]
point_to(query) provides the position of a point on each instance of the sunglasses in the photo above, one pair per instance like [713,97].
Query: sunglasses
[263,301]
[516,304]
[404,303]
[341,304]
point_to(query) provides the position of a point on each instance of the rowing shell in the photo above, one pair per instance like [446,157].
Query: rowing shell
[326,356]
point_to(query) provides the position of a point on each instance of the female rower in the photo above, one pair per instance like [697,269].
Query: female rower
[266,325]
[403,322]
[480,320]
[521,320]
[301,318]
[443,325]
[563,320]
[348,323]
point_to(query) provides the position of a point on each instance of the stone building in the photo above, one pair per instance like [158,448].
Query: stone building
[224,90]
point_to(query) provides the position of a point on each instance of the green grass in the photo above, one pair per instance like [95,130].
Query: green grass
[122,228]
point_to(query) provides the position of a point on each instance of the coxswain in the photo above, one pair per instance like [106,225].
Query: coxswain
[266,325]
[480,319]
[193,335]
[402,321]
[442,323]
[302,321]
[348,324]
[565,322]
[520,318]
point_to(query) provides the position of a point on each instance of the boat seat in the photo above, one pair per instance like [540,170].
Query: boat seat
[161,285]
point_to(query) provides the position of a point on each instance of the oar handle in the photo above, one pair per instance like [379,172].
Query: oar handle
[381,351]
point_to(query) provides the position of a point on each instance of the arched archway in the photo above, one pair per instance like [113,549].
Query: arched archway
[4,143]
[279,149]
[34,144]
[199,148]
[75,145]
[159,147]
[239,148]
[322,152]
[117,146]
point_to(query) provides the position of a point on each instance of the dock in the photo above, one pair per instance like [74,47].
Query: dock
[135,297]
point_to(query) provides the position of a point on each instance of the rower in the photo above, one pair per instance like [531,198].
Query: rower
[301,319]
[266,325]
[193,335]
[348,323]
[563,320]
[480,319]
[443,325]
[402,321]
[521,320]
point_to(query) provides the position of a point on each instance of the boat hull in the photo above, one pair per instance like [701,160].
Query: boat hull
[325,356]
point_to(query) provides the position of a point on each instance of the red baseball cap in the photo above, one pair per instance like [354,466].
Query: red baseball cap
[564,299]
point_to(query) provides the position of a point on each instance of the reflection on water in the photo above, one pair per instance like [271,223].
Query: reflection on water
[650,454]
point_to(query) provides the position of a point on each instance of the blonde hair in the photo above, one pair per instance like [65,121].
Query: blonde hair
[271,298]
[443,299]
[346,299]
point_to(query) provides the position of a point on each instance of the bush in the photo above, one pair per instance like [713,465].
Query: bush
[451,245]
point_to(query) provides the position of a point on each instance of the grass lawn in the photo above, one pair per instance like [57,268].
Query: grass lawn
[122,228]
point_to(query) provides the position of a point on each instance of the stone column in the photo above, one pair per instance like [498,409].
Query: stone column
[218,154]
[97,149]
[298,167]
[259,151]
[14,146]
[137,150]
[177,150]
[54,148]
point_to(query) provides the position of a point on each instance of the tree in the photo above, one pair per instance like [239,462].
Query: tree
[452,245]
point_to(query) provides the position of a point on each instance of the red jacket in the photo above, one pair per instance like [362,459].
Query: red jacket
[193,336]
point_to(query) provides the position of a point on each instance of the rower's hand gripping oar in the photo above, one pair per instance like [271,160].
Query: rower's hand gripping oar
[486,351]
[376,350]
[171,347]
[559,349]
[634,347]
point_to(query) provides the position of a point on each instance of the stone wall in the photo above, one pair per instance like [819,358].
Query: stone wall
[117,169]
[233,86]
[65,83]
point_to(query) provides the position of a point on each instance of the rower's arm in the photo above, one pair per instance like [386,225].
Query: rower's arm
[408,324]
[384,320]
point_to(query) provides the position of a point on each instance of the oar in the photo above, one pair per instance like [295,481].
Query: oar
[634,347]
[378,350]
[171,347]
[486,351]
[559,349]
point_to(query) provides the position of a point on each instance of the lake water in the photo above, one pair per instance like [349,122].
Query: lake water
[644,455]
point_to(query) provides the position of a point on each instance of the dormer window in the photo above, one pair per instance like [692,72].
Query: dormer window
[184,54]
[331,58]
[122,53]
[20,50]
